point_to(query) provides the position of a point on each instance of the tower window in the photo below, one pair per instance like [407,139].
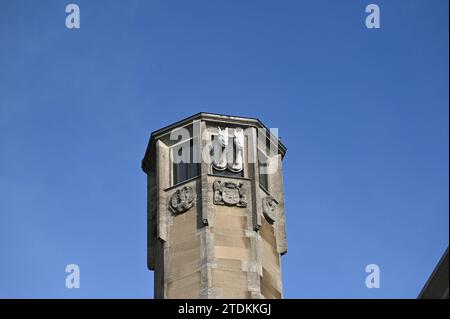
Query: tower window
[183,167]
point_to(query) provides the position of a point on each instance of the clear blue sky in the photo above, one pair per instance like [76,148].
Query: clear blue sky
[364,114]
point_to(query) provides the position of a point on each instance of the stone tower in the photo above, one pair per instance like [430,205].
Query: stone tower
[215,208]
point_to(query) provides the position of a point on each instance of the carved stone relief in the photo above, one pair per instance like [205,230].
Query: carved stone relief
[269,205]
[220,154]
[182,200]
[238,141]
[221,159]
[230,194]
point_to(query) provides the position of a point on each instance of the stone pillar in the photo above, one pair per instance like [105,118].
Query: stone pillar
[215,230]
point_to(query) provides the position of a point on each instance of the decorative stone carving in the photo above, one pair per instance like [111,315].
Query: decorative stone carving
[238,140]
[269,204]
[220,154]
[221,159]
[182,200]
[230,194]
